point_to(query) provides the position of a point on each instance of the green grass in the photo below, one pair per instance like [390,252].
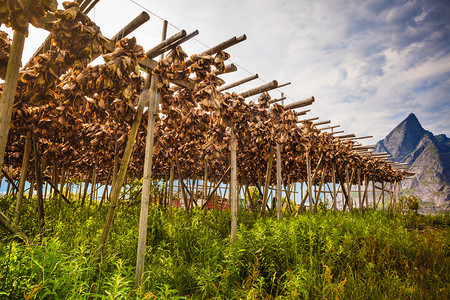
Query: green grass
[377,255]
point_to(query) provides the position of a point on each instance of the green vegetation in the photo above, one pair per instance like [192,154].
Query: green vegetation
[377,255]
[410,202]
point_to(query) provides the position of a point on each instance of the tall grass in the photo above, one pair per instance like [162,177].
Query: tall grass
[376,255]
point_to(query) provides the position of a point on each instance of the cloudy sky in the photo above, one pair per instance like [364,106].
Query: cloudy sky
[368,63]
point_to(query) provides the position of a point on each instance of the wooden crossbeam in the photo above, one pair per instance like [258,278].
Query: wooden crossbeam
[322,123]
[260,89]
[220,47]
[284,84]
[300,103]
[308,120]
[276,100]
[228,69]
[379,153]
[164,45]
[237,83]
[365,147]
[361,137]
[130,27]
[303,112]
[329,127]
[346,136]
[90,7]
[176,43]
[336,132]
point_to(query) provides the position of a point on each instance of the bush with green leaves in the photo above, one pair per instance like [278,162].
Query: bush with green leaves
[329,254]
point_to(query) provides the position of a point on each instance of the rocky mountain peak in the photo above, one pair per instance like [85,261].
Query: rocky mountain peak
[404,138]
[427,155]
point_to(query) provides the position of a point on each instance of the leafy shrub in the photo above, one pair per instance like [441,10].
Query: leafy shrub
[329,255]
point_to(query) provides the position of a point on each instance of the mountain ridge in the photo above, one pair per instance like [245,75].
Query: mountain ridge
[428,156]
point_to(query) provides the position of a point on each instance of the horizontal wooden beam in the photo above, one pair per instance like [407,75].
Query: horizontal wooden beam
[346,136]
[90,7]
[227,44]
[237,83]
[329,127]
[382,156]
[176,43]
[284,84]
[302,112]
[276,100]
[220,47]
[379,153]
[83,4]
[308,120]
[228,69]
[260,89]
[365,147]
[300,103]
[130,27]
[336,132]
[164,45]
[322,123]
[361,137]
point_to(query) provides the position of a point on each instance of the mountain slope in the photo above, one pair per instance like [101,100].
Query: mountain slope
[428,156]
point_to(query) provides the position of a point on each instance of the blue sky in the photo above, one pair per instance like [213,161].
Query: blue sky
[368,63]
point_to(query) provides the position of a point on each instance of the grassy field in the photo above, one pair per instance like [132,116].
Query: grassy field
[376,255]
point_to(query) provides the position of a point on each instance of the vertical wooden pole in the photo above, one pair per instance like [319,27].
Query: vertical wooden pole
[79,188]
[373,193]
[121,175]
[333,182]
[86,185]
[61,186]
[45,190]
[295,192]
[93,185]
[365,196]
[54,180]
[38,173]
[30,192]
[358,170]
[146,181]
[105,189]
[267,183]
[279,183]
[8,186]
[349,190]
[23,177]
[301,190]
[180,184]
[393,194]
[382,193]
[321,184]
[309,181]
[67,183]
[9,90]
[116,162]
[171,178]
[233,186]
[205,183]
